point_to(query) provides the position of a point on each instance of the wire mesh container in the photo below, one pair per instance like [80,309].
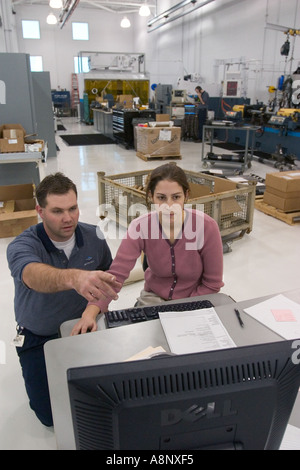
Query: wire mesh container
[122,198]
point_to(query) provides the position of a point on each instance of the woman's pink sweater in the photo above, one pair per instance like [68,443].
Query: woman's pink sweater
[191,266]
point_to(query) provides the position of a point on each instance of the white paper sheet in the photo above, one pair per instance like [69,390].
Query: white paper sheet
[195,331]
[147,353]
[280,314]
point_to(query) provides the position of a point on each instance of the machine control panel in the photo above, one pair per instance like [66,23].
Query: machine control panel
[277,120]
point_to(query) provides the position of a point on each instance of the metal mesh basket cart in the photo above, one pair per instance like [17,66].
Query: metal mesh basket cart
[122,198]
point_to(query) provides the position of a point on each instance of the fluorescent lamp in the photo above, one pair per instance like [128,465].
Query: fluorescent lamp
[125,23]
[56,4]
[144,10]
[51,19]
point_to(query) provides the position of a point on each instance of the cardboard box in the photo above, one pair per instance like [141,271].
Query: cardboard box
[11,145]
[283,194]
[284,181]
[7,206]
[162,117]
[285,204]
[34,145]
[283,190]
[12,134]
[12,138]
[125,100]
[18,209]
[228,205]
[4,127]
[158,141]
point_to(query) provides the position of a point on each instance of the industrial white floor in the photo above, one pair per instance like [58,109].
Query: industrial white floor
[266,261]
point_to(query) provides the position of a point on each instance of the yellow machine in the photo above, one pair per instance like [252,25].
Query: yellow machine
[287,112]
[239,108]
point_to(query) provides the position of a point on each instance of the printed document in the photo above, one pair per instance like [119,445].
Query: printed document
[195,331]
[280,314]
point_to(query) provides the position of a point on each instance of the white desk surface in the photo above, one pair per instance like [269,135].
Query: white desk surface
[118,344]
[216,299]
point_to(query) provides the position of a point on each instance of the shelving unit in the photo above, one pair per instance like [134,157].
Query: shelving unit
[22,167]
[75,92]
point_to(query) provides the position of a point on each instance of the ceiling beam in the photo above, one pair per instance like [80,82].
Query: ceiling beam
[166,17]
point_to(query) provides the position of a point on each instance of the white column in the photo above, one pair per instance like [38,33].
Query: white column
[8,35]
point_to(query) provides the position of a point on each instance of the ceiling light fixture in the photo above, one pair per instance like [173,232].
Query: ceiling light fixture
[144,10]
[56,4]
[51,19]
[125,23]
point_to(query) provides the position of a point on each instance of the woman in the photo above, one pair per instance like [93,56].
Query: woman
[183,248]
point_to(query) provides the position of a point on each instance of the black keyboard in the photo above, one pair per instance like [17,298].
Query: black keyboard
[139,314]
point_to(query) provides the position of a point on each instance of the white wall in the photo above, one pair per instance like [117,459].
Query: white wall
[222,30]
[226,29]
[57,47]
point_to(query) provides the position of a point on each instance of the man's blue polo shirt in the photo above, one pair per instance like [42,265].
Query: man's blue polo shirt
[42,314]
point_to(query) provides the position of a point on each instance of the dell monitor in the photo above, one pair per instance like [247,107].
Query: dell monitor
[239,398]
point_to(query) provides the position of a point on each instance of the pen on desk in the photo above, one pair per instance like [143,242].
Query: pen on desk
[239,318]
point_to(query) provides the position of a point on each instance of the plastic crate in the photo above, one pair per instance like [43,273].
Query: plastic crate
[122,198]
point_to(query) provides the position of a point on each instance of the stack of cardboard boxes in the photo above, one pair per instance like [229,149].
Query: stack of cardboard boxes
[17,201]
[283,190]
[13,139]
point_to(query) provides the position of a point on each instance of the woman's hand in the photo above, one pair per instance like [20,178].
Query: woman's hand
[87,323]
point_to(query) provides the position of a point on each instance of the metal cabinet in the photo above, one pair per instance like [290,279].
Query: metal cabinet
[123,129]
[103,122]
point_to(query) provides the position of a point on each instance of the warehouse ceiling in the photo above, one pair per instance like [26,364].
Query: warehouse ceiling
[111,6]
[155,21]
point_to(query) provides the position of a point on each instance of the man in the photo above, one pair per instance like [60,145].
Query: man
[202,107]
[58,266]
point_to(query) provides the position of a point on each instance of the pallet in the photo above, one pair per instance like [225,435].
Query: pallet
[148,157]
[291,218]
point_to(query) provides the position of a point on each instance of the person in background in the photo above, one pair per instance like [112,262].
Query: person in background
[183,247]
[58,266]
[202,108]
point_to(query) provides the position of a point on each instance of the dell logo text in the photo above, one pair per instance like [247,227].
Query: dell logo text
[195,412]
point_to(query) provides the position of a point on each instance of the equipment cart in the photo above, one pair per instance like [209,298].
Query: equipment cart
[240,159]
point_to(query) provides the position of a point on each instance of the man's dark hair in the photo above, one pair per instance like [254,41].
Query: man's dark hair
[57,183]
